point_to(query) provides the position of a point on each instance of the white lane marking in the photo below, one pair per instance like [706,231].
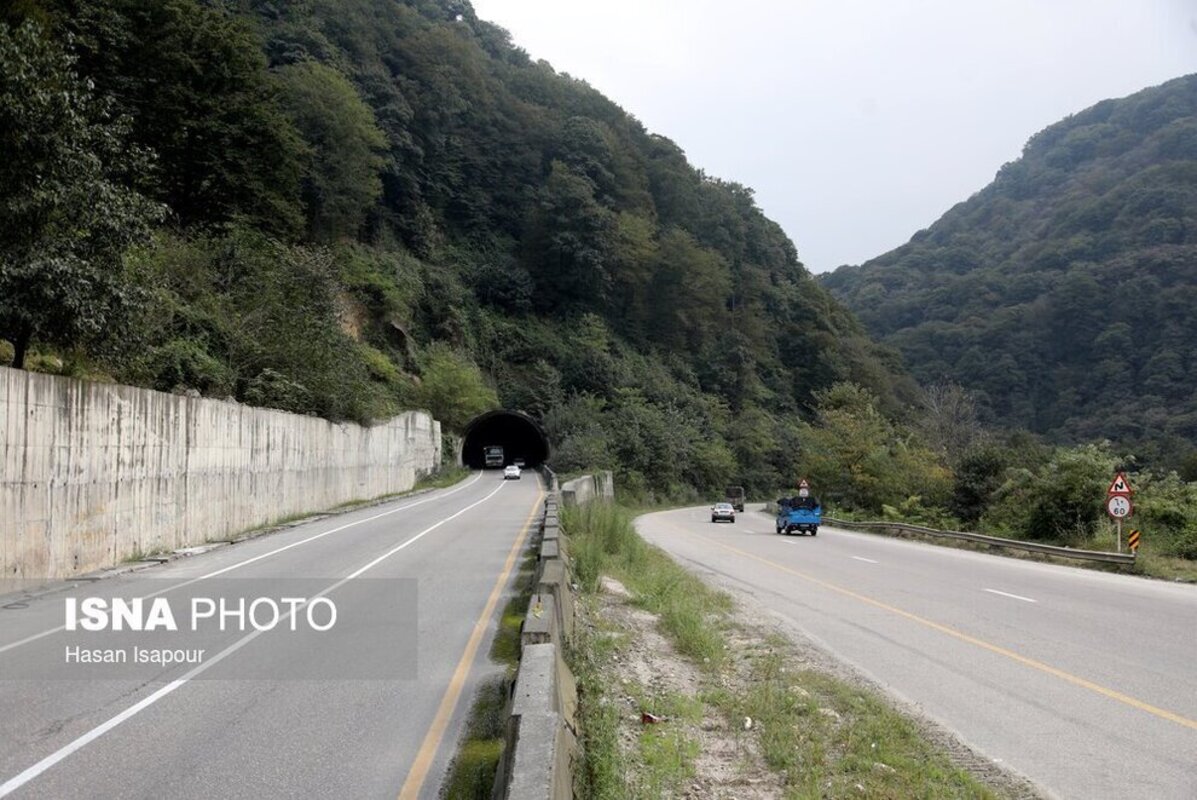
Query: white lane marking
[11,785]
[240,564]
[871,561]
[1015,596]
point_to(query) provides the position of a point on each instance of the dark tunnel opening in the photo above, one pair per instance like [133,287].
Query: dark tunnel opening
[520,436]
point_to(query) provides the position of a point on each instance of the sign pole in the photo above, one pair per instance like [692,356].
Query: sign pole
[1119,534]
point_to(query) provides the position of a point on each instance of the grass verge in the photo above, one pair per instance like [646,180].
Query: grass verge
[821,735]
[472,773]
[442,478]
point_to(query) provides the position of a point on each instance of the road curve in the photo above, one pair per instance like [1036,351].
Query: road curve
[1084,682]
[226,735]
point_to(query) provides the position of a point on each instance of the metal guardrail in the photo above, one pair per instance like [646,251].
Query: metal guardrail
[898,528]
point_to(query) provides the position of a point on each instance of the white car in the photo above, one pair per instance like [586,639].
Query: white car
[511,473]
[723,511]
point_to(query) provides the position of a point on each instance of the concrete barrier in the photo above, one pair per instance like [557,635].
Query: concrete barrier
[93,473]
[553,580]
[600,486]
[541,623]
[540,745]
[541,737]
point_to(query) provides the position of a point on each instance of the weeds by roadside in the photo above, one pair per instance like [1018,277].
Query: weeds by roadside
[472,773]
[442,478]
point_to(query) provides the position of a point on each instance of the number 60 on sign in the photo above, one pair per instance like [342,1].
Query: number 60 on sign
[1118,506]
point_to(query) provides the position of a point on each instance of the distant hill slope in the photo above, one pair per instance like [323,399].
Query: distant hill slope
[1065,292]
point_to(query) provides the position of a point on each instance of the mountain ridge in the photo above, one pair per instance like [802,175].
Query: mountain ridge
[1067,281]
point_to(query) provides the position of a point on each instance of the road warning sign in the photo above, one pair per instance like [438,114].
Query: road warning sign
[1133,540]
[1120,485]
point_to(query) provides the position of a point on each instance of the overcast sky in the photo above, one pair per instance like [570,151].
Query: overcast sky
[857,122]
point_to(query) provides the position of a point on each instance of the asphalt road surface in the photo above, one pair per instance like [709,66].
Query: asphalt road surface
[1084,682]
[272,716]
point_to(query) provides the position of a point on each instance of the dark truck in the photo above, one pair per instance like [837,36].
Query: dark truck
[735,496]
[493,456]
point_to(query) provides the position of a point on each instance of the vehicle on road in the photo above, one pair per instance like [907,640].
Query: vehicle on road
[511,473]
[492,456]
[799,515]
[723,511]
[735,496]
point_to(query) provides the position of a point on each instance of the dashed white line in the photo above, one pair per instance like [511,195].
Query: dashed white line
[869,560]
[1014,596]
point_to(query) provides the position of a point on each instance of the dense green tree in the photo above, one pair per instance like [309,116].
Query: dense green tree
[854,455]
[192,79]
[67,219]
[453,388]
[341,180]
[1060,501]
[568,244]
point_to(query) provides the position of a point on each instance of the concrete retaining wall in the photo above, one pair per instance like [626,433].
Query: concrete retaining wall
[600,486]
[92,473]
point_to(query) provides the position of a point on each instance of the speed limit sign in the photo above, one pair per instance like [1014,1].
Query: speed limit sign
[1119,506]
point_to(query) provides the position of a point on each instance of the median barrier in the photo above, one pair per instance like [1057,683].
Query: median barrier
[541,743]
[541,625]
[553,579]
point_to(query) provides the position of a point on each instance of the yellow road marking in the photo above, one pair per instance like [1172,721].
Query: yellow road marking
[1075,680]
[432,740]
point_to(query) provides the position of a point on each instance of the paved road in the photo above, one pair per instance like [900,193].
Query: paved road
[1084,682]
[223,734]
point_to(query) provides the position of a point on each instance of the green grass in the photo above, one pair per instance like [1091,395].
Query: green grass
[445,477]
[472,774]
[667,756]
[601,773]
[1154,564]
[603,541]
[827,737]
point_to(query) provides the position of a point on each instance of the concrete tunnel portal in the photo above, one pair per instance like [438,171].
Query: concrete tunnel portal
[518,434]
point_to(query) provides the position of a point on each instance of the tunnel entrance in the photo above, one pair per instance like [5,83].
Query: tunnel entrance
[520,436]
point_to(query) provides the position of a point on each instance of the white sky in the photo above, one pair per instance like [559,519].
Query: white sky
[857,122]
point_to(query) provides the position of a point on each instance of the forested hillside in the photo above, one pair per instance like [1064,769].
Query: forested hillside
[349,207]
[1064,294]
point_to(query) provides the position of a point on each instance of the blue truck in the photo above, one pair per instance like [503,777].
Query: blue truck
[799,514]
